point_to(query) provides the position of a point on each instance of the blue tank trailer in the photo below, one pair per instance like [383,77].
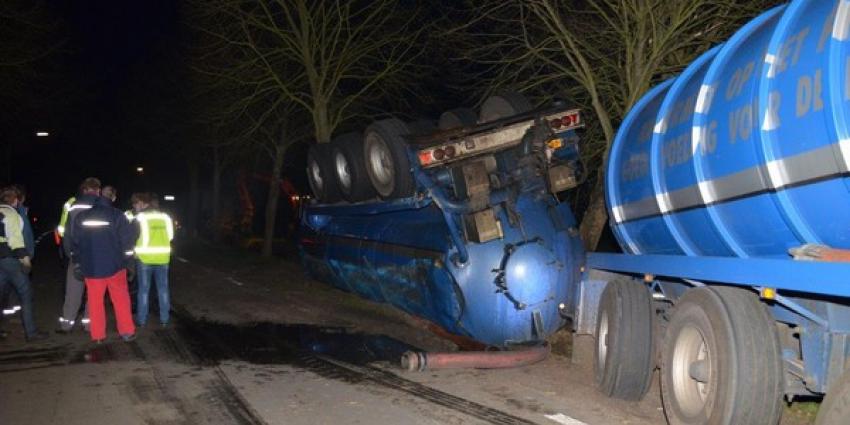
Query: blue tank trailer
[726,188]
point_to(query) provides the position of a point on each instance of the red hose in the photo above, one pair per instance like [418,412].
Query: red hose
[413,361]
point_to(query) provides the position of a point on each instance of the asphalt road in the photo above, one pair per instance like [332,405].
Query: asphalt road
[234,356]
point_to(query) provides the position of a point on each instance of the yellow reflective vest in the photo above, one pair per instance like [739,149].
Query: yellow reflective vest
[11,233]
[63,219]
[156,231]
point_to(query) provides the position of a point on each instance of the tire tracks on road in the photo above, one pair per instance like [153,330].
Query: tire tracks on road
[219,402]
[335,369]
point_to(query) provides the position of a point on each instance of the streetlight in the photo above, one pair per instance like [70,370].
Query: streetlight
[41,134]
[140,170]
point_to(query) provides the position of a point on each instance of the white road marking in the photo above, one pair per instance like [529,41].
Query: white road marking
[238,283]
[182,260]
[564,419]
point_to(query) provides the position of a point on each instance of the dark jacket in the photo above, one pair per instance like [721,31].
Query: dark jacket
[82,203]
[102,240]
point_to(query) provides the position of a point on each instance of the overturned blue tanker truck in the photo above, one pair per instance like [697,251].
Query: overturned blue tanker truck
[728,190]
[459,224]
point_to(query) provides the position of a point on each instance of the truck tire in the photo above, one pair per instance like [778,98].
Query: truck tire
[385,154]
[835,408]
[320,174]
[350,168]
[503,105]
[456,118]
[721,361]
[624,356]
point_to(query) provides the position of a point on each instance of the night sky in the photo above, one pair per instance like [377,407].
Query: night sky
[116,95]
[110,104]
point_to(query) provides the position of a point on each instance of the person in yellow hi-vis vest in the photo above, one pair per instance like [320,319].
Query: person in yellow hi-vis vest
[153,252]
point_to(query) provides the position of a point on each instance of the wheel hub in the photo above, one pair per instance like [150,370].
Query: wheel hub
[343,171]
[691,370]
[602,342]
[316,175]
[382,164]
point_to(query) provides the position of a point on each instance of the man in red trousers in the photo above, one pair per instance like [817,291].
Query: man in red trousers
[102,246]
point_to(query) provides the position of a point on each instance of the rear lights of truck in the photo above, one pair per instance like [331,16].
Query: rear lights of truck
[434,156]
[565,122]
[494,139]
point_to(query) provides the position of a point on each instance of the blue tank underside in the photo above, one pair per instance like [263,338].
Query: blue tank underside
[404,257]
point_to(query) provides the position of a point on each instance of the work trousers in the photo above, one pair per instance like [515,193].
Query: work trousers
[117,287]
[12,273]
[74,289]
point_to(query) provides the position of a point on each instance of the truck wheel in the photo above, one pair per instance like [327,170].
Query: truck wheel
[350,168]
[624,355]
[503,105]
[385,154]
[320,174]
[455,118]
[721,361]
[835,408]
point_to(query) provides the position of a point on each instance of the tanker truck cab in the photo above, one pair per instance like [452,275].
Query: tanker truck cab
[729,197]
[459,223]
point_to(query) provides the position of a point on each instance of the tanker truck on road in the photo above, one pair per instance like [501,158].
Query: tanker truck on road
[728,190]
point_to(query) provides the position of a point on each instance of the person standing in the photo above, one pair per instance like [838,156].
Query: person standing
[23,211]
[153,251]
[133,283]
[74,286]
[29,245]
[101,247]
[15,262]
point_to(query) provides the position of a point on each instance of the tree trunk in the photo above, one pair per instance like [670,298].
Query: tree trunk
[216,194]
[321,121]
[272,200]
[594,217]
[194,198]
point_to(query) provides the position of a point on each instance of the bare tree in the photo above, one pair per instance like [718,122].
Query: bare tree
[284,63]
[29,43]
[326,56]
[27,36]
[604,54]
[275,133]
